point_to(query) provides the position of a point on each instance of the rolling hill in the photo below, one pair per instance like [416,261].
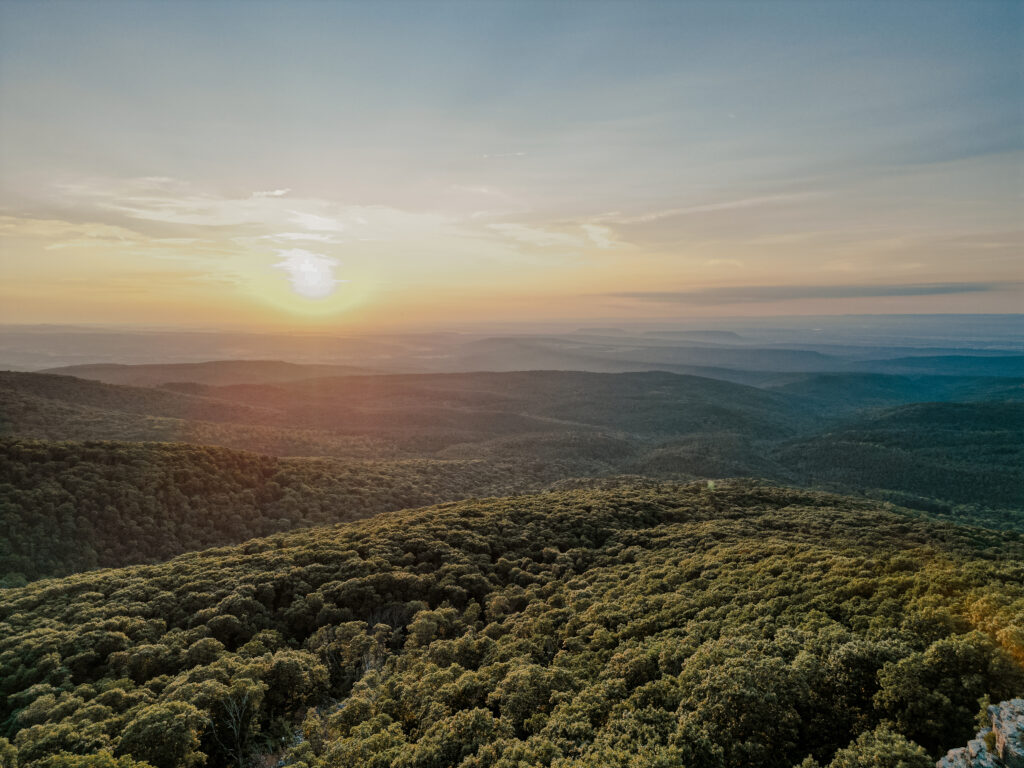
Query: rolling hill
[421,412]
[68,507]
[214,372]
[965,453]
[639,626]
[851,392]
[961,460]
[50,407]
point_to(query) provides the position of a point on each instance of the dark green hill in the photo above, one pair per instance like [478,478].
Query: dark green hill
[966,453]
[67,507]
[641,627]
[846,392]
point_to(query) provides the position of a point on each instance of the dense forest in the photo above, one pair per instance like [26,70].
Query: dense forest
[67,507]
[963,460]
[724,626]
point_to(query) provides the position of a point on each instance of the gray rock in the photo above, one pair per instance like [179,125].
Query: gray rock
[1007,735]
[1008,725]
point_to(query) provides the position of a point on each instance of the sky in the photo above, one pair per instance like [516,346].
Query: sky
[358,165]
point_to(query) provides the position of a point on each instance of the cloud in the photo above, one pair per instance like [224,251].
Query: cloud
[311,274]
[578,236]
[273,192]
[64,234]
[767,293]
[727,205]
[169,202]
[168,207]
[539,237]
[600,236]
[316,237]
[317,222]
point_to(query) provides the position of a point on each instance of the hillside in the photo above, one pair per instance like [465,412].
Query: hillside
[637,626]
[631,353]
[423,413]
[214,372]
[451,408]
[849,392]
[49,407]
[959,460]
[68,507]
[418,413]
[974,365]
[962,453]
[130,400]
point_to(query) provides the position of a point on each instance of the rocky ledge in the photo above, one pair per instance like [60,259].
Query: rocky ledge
[1001,745]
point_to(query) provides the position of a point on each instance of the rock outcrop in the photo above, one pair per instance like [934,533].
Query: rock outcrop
[1001,745]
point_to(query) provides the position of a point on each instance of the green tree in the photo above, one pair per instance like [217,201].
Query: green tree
[8,754]
[933,695]
[167,735]
[101,759]
[882,748]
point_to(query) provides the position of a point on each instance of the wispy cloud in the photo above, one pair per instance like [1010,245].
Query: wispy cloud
[169,201]
[174,206]
[768,293]
[600,236]
[724,205]
[314,237]
[543,238]
[574,236]
[317,222]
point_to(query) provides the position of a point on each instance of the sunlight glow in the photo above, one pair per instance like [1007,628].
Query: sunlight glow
[311,274]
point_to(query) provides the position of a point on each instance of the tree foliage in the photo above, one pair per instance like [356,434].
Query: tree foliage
[67,507]
[649,626]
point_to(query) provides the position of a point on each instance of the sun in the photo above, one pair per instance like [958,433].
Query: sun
[309,286]
[311,274]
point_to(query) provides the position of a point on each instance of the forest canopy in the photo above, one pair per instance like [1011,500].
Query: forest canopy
[636,626]
[68,507]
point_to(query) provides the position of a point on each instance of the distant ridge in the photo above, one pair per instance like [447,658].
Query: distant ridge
[213,372]
[726,337]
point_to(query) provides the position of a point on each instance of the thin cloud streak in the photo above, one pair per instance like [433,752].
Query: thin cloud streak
[728,205]
[770,293]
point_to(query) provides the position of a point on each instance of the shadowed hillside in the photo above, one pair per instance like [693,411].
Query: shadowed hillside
[967,453]
[67,507]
